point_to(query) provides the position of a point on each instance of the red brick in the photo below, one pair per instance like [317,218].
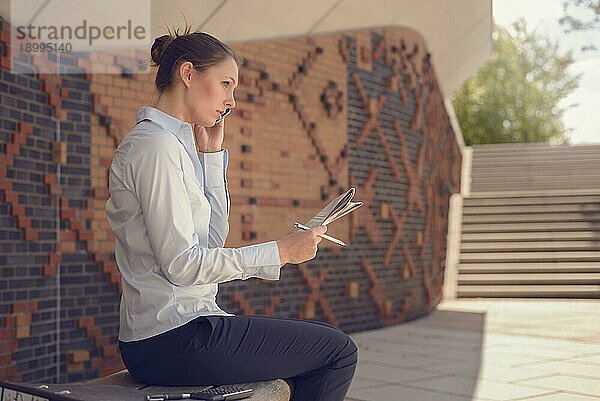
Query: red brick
[67,247]
[108,267]
[85,235]
[101,257]
[76,224]
[13,149]
[115,277]
[109,350]
[101,341]
[7,347]
[85,322]
[31,235]
[54,259]
[24,306]
[22,332]
[23,222]
[49,178]
[25,128]
[18,210]
[12,373]
[49,270]
[75,367]
[5,63]
[67,236]
[55,190]
[101,193]
[23,319]
[79,355]
[18,138]
[109,370]
[68,214]
[10,321]
[94,331]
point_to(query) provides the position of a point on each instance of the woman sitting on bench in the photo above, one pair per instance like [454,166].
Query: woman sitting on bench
[169,209]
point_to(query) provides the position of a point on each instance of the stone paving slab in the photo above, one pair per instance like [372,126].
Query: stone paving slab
[563,396]
[485,350]
[589,386]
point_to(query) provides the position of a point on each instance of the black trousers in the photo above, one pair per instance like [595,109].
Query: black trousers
[318,358]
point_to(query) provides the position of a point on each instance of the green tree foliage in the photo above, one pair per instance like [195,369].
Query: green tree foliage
[581,15]
[515,96]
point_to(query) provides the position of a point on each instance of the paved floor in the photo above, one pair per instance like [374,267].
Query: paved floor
[484,350]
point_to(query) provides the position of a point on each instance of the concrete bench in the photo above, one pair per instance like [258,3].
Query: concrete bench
[274,390]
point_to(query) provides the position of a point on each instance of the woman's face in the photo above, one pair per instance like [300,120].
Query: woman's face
[210,92]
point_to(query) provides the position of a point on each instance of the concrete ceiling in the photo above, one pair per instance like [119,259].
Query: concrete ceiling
[457,32]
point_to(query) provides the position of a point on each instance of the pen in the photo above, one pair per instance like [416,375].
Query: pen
[324,236]
[164,397]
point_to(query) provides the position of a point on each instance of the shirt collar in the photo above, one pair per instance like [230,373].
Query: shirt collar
[181,129]
[163,119]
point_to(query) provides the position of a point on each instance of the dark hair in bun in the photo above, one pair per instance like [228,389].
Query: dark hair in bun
[199,48]
[158,48]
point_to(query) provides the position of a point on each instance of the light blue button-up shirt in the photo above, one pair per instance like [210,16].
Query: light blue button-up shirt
[168,209]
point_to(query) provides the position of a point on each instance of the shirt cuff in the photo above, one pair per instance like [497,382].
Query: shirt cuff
[214,165]
[261,260]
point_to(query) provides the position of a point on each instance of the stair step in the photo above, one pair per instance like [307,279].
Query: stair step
[511,246]
[523,209]
[531,217]
[577,164]
[530,227]
[533,163]
[531,186]
[556,196]
[563,256]
[528,278]
[530,267]
[531,236]
[534,146]
[548,154]
[530,291]
[530,200]
[506,177]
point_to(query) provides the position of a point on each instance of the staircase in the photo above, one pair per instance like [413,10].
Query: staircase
[531,224]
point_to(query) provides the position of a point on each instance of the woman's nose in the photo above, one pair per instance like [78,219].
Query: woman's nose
[230,102]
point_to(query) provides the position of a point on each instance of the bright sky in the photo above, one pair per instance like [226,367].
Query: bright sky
[543,15]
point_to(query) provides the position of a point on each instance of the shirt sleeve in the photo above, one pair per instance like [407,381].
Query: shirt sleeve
[214,168]
[159,186]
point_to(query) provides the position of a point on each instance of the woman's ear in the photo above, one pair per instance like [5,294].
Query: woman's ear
[185,72]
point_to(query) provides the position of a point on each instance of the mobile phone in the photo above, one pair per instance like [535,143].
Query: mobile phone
[225,114]
[222,393]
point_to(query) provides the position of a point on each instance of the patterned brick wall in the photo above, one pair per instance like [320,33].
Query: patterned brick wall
[314,116]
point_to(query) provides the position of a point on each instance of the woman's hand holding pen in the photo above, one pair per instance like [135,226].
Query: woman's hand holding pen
[209,139]
[300,246]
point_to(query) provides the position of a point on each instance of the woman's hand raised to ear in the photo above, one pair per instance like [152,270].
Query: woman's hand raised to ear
[300,246]
[209,139]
